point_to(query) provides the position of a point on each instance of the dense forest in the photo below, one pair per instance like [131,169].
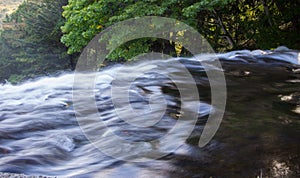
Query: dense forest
[43,36]
[30,41]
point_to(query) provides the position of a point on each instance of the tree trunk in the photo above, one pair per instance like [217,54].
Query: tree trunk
[266,9]
[225,31]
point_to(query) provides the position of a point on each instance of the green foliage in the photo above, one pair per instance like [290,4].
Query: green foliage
[192,10]
[14,79]
[226,24]
[87,18]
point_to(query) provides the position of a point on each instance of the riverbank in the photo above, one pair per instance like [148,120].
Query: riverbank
[13,175]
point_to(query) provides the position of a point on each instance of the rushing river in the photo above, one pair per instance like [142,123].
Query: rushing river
[259,134]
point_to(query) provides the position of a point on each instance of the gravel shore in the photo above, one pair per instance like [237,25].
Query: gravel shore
[13,175]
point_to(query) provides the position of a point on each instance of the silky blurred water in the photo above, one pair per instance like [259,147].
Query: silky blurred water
[259,134]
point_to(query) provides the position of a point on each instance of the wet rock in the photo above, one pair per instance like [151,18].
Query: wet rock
[5,150]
